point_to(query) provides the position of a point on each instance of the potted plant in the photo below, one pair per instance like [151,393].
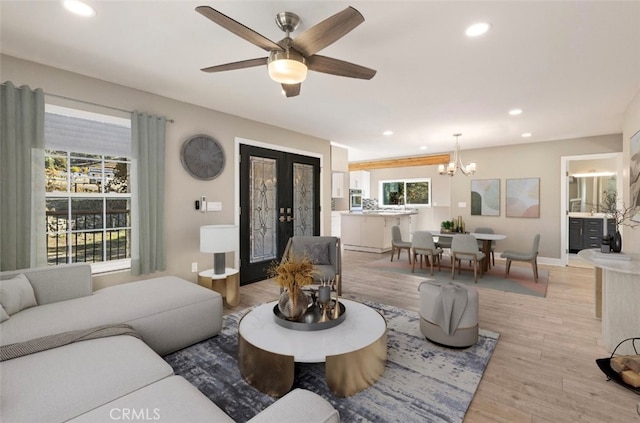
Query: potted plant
[620,215]
[293,273]
[446,226]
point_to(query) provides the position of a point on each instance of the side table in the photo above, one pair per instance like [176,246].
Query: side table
[226,284]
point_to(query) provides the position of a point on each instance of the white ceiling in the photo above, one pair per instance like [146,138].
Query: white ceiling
[572,66]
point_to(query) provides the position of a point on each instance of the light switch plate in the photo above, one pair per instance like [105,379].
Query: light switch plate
[214,206]
[462,204]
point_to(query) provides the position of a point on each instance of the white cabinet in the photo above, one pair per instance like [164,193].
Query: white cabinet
[360,179]
[371,233]
[337,185]
[335,223]
[339,159]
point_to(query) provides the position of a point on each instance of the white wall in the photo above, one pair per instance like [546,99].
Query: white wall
[630,237]
[182,220]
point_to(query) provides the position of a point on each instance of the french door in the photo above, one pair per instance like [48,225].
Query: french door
[279,198]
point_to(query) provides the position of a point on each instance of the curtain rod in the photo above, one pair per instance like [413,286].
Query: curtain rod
[95,104]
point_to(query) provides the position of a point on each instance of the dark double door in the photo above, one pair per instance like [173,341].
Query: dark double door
[279,198]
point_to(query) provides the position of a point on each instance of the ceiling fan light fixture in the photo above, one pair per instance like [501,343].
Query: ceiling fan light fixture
[287,67]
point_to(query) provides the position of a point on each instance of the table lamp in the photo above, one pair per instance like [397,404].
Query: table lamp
[218,239]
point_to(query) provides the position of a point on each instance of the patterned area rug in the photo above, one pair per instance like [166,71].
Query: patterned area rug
[422,382]
[520,277]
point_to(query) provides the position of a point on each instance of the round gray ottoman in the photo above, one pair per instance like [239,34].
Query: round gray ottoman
[449,313]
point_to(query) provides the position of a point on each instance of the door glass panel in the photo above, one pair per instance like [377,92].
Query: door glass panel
[262,203]
[303,199]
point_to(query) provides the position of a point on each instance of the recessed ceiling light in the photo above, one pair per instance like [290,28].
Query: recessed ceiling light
[79,8]
[387,133]
[424,147]
[515,112]
[526,135]
[477,29]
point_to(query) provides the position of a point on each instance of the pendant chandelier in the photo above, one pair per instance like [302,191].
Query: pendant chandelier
[456,163]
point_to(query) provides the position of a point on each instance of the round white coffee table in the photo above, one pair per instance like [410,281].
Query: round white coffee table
[355,351]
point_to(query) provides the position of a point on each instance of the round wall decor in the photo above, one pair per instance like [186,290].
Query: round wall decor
[202,157]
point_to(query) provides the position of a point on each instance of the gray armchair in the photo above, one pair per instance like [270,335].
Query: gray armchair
[325,254]
[530,256]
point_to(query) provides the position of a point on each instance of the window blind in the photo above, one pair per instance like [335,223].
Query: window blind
[69,133]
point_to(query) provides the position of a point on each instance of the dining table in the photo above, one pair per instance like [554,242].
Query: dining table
[486,243]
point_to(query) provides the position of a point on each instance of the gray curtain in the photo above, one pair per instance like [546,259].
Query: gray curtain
[147,209]
[22,195]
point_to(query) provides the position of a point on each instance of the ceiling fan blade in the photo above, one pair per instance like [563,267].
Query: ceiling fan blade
[237,28]
[327,32]
[291,90]
[236,65]
[339,67]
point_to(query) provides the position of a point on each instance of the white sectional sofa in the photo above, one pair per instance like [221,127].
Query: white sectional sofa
[118,377]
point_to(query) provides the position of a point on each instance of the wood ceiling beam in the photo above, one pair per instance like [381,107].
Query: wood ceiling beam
[408,161]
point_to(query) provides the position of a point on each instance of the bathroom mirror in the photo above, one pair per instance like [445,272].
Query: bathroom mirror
[586,193]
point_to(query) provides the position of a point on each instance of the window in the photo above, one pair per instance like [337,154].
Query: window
[414,192]
[88,189]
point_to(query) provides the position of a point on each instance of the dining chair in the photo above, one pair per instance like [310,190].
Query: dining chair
[444,242]
[484,230]
[465,247]
[422,245]
[530,256]
[397,243]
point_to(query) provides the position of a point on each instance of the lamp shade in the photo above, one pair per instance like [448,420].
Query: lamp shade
[218,238]
[287,67]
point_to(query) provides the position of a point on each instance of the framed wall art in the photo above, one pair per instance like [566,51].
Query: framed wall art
[485,197]
[634,173]
[523,197]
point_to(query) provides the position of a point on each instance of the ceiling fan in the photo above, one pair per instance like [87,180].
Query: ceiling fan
[289,58]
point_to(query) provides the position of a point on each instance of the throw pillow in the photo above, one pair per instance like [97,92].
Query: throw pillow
[16,294]
[318,253]
[3,314]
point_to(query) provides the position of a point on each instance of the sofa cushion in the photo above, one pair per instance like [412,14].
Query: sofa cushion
[169,400]
[169,313]
[57,283]
[16,294]
[299,405]
[3,314]
[62,383]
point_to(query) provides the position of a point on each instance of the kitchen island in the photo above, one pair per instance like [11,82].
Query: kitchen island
[370,231]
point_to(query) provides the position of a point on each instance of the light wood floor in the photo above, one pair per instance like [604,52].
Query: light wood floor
[543,369]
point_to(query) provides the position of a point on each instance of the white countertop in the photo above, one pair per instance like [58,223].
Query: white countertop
[628,263]
[382,213]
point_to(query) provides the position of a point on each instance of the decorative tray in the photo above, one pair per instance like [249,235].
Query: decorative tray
[605,365]
[310,320]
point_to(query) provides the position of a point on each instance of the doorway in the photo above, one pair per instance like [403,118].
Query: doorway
[580,194]
[279,197]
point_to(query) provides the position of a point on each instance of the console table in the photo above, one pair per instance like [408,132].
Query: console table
[620,295]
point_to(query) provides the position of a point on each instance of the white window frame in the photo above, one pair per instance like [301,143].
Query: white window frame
[105,265]
[405,182]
